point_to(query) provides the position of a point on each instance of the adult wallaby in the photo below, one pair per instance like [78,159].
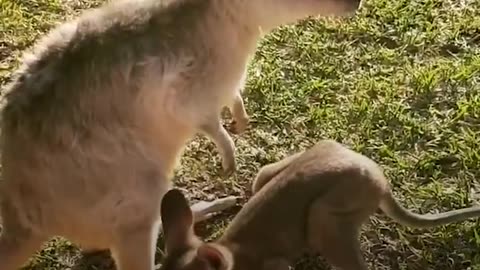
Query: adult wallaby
[98,114]
[313,201]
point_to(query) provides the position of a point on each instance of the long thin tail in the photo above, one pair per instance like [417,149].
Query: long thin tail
[392,208]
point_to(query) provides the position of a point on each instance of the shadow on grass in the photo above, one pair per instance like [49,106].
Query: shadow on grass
[95,260]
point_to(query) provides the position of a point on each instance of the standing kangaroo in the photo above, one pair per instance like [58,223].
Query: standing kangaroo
[97,116]
[313,201]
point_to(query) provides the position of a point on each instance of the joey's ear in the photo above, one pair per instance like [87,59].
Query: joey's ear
[177,219]
[217,257]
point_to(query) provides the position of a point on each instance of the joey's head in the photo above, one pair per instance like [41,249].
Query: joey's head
[272,13]
[185,251]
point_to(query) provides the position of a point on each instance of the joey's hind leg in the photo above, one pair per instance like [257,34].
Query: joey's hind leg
[335,236]
[224,143]
[240,117]
[16,247]
[269,171]
[338,243]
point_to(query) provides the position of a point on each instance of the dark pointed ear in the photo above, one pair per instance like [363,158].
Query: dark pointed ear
[177,219]
[216,257]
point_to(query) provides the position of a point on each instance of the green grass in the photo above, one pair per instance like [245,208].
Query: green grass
[400,83]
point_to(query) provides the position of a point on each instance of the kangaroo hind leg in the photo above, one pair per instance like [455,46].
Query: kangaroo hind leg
[17,246]
[335,237]
[135,249]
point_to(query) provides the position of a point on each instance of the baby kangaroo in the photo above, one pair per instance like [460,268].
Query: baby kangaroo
[95,119]
[314,201]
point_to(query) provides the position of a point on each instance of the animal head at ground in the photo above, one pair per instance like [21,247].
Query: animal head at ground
[314,201]
[186,251]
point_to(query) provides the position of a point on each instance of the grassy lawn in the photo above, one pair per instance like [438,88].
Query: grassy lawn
[400,83]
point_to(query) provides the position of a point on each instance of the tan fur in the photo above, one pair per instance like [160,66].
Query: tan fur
[314,201]
[98,115]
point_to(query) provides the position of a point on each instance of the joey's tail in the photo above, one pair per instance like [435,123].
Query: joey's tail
[392,208]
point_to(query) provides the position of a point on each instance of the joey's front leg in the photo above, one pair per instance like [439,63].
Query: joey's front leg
[240,117]
[203,210]
[224,143]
